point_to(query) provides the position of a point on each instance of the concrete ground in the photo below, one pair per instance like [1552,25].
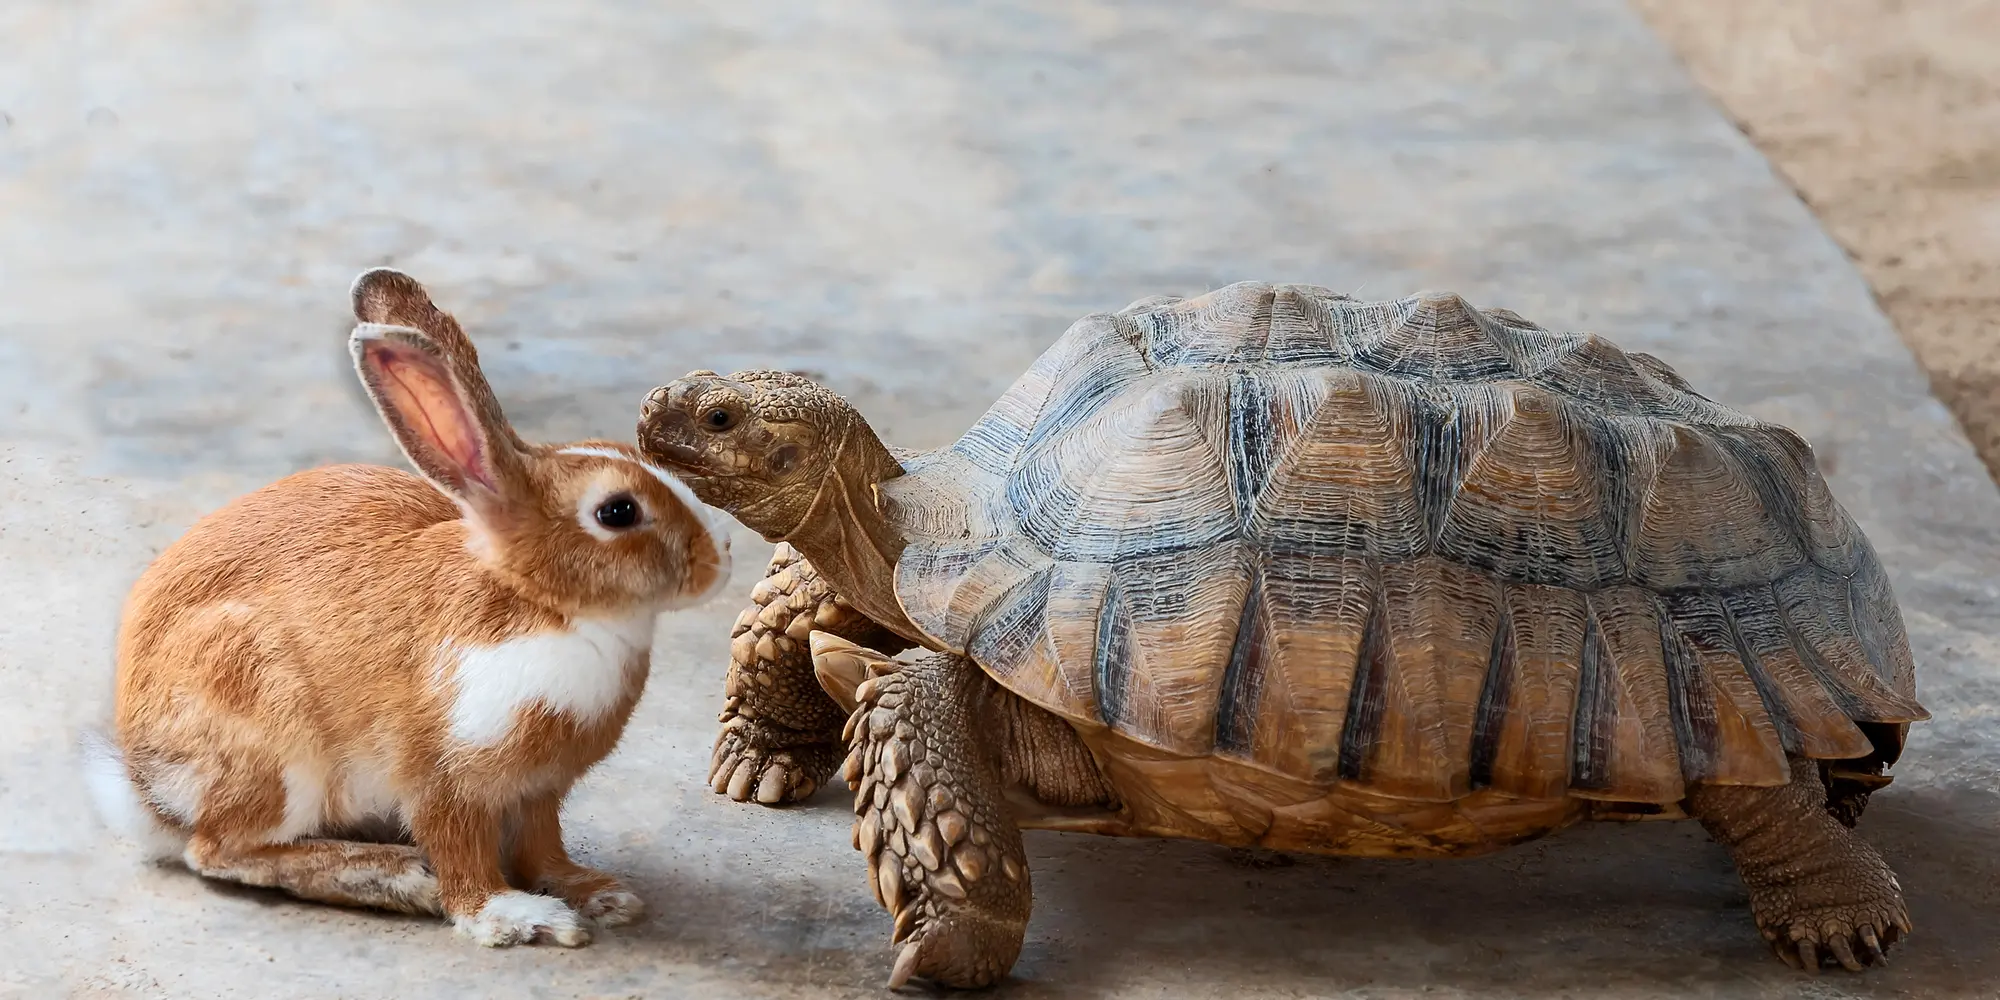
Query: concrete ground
[912,200]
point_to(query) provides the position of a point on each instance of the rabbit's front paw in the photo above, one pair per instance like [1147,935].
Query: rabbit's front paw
[513,917]
[597,896]
[613,907]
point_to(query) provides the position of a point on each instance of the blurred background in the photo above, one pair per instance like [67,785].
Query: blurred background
[910,201]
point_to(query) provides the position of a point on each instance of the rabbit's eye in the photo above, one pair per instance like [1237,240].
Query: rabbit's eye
[618,512]
[719,419]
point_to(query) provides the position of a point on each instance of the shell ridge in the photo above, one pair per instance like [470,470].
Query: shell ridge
[1367,695]
[1243,676]
[1113,662]
[1495,694]
[1441,435]
[1688,698]
[1266,425]
[1643,465]
[1499,335]
[1311,334]
[1596,711]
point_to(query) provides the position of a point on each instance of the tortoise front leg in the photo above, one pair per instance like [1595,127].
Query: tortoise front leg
[780,737]
[1816,889]
[944,855]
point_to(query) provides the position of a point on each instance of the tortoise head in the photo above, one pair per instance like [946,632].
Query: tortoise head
[758,444]
[792,461]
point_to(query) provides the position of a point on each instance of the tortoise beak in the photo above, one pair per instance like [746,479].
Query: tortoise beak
[666,430]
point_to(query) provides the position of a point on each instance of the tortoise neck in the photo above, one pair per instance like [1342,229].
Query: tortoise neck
[847,539]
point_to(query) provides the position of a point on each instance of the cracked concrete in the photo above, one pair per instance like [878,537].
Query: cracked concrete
[910,200]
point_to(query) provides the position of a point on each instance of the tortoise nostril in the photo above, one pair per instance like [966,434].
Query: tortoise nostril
[655,402]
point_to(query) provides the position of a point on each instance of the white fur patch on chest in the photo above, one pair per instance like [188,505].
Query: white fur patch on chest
[581,672]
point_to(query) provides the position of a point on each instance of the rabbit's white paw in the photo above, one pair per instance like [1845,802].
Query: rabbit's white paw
[513,917]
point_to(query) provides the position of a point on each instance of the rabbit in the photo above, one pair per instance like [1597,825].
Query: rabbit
[354,646]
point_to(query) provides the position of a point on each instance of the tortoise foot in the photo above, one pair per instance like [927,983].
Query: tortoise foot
[1817,890]
[1808,931]
[754,761]
[944,855]
[957,948]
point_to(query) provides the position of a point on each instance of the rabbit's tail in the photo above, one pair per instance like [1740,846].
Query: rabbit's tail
[119,802]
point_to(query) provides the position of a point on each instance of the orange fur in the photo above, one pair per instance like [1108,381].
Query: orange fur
[333,650]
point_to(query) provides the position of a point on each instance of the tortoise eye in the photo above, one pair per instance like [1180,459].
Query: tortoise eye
[718,419]
[618,513]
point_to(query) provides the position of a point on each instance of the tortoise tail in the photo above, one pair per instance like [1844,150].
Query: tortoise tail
[1850,782]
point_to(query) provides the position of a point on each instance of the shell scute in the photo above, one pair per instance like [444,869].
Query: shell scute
[1432,337]
[1411,722]
[1165,623]
[1289,682]
[1625,746]
[1522,733]
[1703,524]
[1344,482]
[1229,326]
[1532,506]
[1093,494]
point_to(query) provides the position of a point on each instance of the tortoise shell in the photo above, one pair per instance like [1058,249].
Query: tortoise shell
[1408,545]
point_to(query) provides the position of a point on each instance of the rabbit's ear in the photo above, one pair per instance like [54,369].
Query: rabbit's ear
[455,436]
[388,297]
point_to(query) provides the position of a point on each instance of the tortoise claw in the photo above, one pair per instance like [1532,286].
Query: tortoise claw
[1809,958]
[1789,956]
[906,965]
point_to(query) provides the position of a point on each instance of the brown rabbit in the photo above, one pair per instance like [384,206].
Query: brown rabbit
[354,646]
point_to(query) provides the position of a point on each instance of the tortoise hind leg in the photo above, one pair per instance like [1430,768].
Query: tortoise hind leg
[1815,887]
[780,733]
[944,854]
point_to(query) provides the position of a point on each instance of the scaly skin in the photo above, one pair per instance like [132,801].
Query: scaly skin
[780,737]
[1816,889]
[944,855]
[937,746]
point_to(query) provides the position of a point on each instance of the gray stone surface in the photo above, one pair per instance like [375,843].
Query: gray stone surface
[911,199]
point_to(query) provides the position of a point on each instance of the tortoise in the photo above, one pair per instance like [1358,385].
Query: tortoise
[1275,567]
